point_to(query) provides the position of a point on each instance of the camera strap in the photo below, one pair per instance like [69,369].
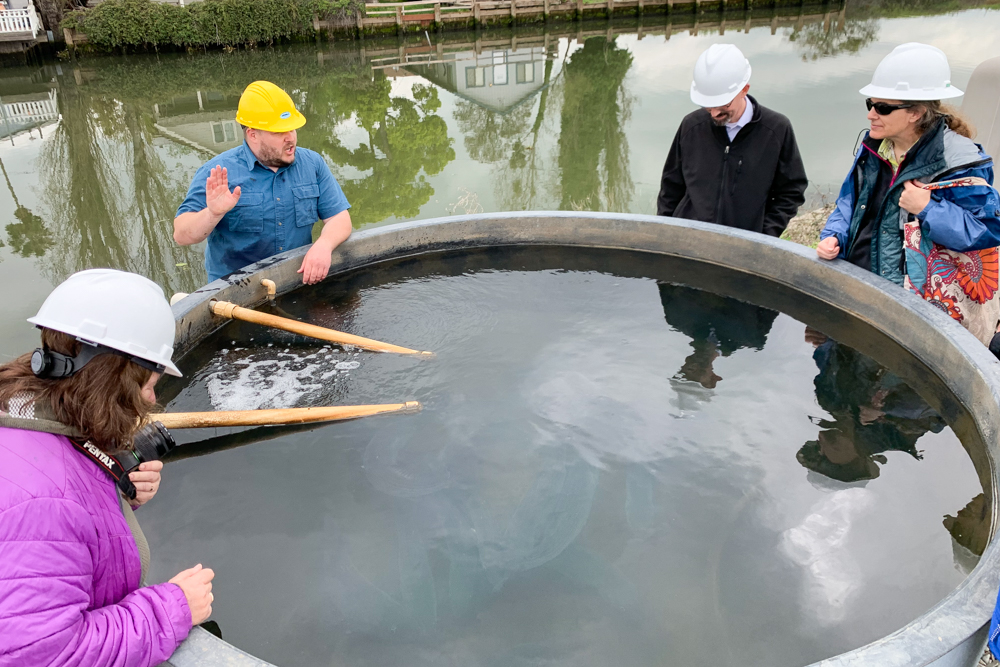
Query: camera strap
[110,465]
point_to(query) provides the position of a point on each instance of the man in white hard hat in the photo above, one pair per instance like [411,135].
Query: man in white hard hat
[733,162]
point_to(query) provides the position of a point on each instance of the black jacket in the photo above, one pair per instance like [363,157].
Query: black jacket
[757,182]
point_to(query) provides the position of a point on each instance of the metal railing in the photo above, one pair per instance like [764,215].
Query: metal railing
[18,21]
[31,111]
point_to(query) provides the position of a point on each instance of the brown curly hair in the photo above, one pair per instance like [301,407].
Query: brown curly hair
[933,111]
[103,401]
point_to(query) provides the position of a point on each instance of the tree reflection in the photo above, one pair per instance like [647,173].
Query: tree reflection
[112,198]
[593,149]
[591,170]
[29,236]
[491,136]
[519,182]
[818,40]
[404,137]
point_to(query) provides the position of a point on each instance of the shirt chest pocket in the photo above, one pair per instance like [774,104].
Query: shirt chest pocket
[248,214]
[306,204]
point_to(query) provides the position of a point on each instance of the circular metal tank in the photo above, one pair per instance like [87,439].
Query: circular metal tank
[951,634]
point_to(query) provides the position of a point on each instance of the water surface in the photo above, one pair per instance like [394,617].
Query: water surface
[608,469]
[97,153]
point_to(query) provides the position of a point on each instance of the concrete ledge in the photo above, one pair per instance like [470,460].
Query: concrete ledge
[203,649]
[952,634]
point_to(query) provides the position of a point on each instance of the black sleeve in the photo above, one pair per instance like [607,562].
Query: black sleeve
[788,188]
[672,186]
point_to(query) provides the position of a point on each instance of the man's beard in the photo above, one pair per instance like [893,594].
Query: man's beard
[274,158]
[722,121]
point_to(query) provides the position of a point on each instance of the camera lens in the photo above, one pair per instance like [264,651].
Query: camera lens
[152,442]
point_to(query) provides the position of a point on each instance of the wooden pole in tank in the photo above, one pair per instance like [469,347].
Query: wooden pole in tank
[280,416]
[234,312]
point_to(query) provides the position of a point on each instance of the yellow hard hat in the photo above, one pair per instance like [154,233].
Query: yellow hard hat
[264,106]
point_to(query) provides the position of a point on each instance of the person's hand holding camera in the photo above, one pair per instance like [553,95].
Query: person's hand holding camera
[146,479]
[196,583]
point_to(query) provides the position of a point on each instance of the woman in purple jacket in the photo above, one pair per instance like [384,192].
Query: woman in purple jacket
[72,557]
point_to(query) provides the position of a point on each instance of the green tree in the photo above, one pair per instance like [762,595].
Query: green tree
[111,198]
[29,236]
[593,149]
[815,41]
[406,142]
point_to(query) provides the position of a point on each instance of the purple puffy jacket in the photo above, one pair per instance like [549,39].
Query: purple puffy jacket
[69,566]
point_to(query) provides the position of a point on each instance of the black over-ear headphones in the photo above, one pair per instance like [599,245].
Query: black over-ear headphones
[49,364]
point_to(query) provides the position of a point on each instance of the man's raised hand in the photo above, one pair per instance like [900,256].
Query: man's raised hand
[218,198]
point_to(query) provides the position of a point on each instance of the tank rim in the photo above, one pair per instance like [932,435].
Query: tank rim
[952,632]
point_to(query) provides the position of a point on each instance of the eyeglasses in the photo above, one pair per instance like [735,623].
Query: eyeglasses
[884,108]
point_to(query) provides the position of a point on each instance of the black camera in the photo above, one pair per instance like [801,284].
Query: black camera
[151,443]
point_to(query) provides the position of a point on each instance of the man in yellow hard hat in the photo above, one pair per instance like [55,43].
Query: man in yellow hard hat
[279,192]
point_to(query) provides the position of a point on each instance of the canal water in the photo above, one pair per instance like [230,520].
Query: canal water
[97,153]
[609,468]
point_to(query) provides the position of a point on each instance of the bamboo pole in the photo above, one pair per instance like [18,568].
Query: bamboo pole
[281,416]
[234,312]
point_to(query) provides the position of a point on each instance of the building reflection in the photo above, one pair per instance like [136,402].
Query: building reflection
[205,120]
[497,80]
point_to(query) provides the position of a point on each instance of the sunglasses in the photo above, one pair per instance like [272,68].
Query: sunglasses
[884,108]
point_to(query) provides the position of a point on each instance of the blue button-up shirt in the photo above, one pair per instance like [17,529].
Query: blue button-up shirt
[276,210]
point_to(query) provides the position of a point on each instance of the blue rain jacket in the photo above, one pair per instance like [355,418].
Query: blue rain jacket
[960,218]
[994,639]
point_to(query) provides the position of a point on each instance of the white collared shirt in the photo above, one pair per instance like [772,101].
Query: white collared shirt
[733,128]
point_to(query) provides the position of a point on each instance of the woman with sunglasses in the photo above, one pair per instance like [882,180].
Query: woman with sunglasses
[918,207]
[72,556]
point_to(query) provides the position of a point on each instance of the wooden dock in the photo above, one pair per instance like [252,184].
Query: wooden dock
[415,17]
[439,14]
[419,52]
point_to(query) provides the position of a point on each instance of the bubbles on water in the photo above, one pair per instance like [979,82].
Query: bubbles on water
[263,378]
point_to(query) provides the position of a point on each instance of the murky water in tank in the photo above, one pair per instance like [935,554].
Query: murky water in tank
[609,469]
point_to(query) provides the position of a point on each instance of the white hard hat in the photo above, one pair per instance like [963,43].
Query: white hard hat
[120,310]
[913,71]
[719,75]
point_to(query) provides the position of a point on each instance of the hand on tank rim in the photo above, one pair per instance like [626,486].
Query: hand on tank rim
[196,584]
[828,248]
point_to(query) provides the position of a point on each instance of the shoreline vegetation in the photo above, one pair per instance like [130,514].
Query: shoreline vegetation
[125,26]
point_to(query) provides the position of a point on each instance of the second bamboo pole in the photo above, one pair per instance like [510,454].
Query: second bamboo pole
[234,312]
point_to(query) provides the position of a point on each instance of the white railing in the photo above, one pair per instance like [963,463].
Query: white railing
[19,20]
[32,111]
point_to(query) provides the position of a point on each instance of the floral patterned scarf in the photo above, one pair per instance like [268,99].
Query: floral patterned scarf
[962,284]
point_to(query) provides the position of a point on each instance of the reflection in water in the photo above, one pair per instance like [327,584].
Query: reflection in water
[499,129]
[971,526]
[873,411]
[548,112]
[405,141]
[29,236]
[717,325]
[593,150]
[548,507]
[821,40]
[111,196]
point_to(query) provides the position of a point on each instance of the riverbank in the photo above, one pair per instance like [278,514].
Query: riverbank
[150,25]
[805,227]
